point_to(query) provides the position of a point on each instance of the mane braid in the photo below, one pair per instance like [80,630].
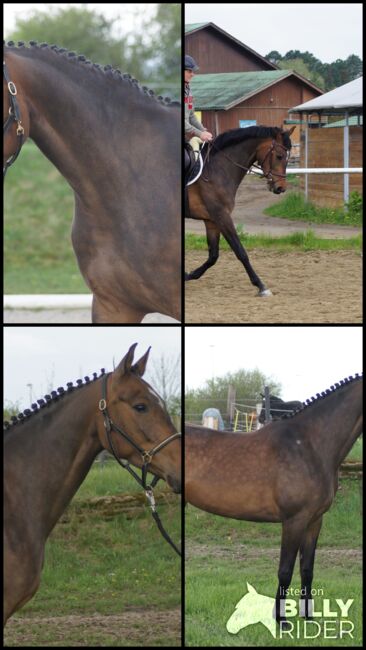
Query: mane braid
[48,399]
[319,396]
[107,69]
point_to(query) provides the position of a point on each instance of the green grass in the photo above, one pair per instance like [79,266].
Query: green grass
[294,206]
[298,241]
[38,211]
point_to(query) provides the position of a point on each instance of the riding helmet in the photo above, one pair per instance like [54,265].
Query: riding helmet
[190,64]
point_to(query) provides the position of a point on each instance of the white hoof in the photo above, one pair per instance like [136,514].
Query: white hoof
[265,293]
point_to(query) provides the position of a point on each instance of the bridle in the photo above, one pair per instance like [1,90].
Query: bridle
[269,175]
[146,456]
[14,116]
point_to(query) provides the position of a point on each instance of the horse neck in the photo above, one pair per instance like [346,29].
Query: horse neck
[237,159]
[333,424]
[48,456]
[82,119]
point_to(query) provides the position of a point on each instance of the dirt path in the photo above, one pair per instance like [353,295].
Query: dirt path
[252,198]
[136,628]
[240,551]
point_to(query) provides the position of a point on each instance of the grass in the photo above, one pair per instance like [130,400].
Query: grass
[294,206]
[298,241]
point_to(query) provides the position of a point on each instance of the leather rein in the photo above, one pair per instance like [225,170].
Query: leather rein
[13,117]
[269,174]
[146,456]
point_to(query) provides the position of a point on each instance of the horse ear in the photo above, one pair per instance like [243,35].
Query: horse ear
[126,364]
[290,131]
[140,366]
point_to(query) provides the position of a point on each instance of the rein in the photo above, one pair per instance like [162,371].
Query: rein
[14,116]
[146,456]
[269,174]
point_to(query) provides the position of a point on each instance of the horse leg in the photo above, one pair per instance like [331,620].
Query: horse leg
[307,556]
[213,238]
[228,230]
[292,535]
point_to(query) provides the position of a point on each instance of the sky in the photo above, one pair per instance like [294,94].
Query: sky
[305,360]
[330,31]
[41,356]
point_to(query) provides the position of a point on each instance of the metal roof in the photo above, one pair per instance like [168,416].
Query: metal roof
[222,91]
[344,98]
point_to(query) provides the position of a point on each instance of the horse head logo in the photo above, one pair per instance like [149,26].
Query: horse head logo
[252,608]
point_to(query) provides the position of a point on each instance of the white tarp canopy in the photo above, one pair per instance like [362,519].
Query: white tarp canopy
[344,98]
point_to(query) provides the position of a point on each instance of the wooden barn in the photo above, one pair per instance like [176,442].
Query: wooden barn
[237,87]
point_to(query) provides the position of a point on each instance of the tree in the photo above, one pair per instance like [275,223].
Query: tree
[165,377]
[249,385]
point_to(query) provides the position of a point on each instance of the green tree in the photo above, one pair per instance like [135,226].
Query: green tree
[249,384]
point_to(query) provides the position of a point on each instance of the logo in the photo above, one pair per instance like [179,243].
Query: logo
[330,621]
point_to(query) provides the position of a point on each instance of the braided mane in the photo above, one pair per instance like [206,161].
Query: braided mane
[319,396]
[49,399]
[107,69]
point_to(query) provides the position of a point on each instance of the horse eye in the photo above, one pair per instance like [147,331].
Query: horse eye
[279,157]
[140,408]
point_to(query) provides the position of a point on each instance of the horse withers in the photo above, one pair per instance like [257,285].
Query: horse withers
[286,472]
[49,451]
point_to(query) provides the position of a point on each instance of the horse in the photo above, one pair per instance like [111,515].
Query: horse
[286,472]
[117,144]
[278,408]
[211,199]
[49,450]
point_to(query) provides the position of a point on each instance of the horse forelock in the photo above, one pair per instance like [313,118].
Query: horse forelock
[82,60]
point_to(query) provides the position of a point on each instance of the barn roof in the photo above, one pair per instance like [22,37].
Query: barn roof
[347,97]
[195,27]
[224,90]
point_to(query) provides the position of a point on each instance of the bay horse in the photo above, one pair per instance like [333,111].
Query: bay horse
[286,472]
[118,146]
[227,160]
[48,453]
[278,408]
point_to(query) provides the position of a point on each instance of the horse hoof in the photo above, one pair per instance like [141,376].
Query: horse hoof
[265,293]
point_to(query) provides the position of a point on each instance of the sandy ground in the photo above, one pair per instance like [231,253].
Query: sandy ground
[312,287]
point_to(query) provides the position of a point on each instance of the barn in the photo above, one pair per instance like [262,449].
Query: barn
[237,87]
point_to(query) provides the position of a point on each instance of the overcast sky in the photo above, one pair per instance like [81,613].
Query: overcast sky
[330,31]
[56,355]
[306,360]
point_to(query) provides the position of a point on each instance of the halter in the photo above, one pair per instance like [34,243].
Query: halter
[14,116]
[146,456]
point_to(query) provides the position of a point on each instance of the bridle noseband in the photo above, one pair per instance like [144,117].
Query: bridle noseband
[146,456]
[14,116]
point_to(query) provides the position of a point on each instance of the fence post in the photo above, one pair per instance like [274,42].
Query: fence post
[267,406]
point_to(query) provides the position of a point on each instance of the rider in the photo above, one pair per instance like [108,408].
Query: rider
[194,132]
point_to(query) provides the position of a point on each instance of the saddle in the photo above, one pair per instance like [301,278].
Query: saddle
[194,170]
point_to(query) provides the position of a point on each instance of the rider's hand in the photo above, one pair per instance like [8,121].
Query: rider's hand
[206,136]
